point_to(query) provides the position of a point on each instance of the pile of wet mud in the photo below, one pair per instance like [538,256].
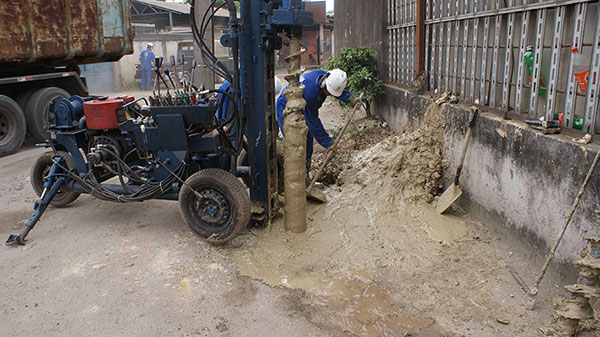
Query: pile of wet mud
[363,133]
[407,167]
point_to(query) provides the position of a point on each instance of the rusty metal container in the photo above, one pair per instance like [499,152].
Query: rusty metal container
[63,32]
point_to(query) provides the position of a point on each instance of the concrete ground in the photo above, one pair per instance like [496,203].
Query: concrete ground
[102,269]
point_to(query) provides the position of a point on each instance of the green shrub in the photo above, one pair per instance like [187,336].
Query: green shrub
[359,64]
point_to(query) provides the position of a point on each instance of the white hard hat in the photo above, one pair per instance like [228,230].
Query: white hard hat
[277,86]
[336,82]
[150,44]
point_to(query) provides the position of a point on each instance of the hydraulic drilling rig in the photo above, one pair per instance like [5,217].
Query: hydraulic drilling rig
[184,144]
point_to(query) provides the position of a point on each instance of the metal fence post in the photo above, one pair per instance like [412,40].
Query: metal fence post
[420,41]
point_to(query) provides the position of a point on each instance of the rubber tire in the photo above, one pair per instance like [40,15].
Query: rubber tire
[36,175]
[233,191]
[35,111]
[14,124]
[23,98]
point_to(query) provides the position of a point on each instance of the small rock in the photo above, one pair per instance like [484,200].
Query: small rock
[222,325]
[584,140]
[502,321]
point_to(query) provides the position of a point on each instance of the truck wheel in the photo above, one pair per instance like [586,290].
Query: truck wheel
[220,210]
[12,126]
[23,98]
[39,171]
[37,108]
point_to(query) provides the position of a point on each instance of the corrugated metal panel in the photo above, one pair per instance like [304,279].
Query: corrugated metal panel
[176,7]
[485,46]
[99,77]
[56,33]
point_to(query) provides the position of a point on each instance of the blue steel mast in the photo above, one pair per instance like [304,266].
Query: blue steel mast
[261,22]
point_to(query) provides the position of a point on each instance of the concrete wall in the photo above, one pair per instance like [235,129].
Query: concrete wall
[513,176]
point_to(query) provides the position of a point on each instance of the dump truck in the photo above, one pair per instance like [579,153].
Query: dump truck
[42,44]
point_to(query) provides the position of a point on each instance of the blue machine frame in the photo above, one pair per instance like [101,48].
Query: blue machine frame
[172,154]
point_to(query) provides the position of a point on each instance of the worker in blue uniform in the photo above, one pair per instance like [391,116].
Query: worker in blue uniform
[318,84]
[223,114]
[147,60]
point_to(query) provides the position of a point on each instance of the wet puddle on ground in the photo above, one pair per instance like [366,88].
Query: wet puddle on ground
[340,257]
[374,235]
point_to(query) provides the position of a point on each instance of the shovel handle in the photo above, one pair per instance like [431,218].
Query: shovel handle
[465,145]
[335,143]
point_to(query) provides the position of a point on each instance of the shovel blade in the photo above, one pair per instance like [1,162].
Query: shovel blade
[448,198]
[316,196]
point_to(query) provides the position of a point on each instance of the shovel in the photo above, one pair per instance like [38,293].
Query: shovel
[317,195]
[529,299]
[454,192]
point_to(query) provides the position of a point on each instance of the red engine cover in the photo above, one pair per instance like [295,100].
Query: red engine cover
[105,114]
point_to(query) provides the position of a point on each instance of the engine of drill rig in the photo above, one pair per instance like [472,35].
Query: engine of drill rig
[106,142]
[140,145]
[103,143]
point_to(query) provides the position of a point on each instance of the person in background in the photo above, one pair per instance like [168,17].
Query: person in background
[147,60]
[318,84]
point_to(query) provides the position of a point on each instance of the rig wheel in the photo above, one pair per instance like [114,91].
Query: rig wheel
[41,168]
[220,208]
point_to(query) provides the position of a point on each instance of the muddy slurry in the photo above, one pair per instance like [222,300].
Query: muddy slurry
[378,260]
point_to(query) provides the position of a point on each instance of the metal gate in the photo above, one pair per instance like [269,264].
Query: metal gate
[515,55]
[99,77]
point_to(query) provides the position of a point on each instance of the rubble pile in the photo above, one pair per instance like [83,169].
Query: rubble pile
[408,167]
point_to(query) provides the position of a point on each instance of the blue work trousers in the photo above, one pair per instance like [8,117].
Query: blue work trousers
[146,78]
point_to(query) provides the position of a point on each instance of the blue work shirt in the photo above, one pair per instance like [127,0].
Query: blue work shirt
[314,100]
[223,113]
[147,57]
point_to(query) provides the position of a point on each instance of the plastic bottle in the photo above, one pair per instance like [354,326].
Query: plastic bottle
[577,120]
[528,59]
[559,117]
[581,69]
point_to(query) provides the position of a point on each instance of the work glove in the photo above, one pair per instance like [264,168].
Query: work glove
[354,101]
[332,149]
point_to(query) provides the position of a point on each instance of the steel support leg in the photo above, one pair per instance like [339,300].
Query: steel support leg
[51,187]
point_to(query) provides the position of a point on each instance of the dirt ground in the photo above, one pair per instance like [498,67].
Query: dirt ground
[375,261]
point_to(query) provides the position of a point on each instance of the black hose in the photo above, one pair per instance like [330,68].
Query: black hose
[234,45]
[218,68]
[210,59]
